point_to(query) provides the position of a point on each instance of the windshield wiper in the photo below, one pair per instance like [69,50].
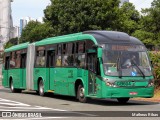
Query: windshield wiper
[119,67]
[132,61]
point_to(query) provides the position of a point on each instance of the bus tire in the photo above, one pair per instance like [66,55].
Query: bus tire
[81,94]
[12,87]
[41,88]
[18,90]
[14,90]
[37,92]
[123,100]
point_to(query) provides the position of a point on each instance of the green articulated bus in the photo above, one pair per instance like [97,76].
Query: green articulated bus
[90,64]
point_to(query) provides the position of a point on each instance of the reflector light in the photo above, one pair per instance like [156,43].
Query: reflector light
[133,93]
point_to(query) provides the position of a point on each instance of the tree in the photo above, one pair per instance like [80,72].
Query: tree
[150,22]
[11,42]
[144,36]
[71,16]
[35,31]
[129,18]
[8,44]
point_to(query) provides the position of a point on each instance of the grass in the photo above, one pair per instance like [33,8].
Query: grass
[155,98]
[157,93]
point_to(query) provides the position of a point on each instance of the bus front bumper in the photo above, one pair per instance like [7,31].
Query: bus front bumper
[111,92]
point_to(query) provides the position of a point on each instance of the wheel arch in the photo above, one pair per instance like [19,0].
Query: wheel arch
[39,79]
[77,83]
[10,79]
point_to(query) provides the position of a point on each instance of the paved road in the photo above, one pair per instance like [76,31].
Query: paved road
[68,108]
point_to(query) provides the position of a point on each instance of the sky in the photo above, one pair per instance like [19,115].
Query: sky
[34,8]
[28,8]
[141,3]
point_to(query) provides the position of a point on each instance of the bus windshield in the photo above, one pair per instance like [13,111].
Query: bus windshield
[126,60]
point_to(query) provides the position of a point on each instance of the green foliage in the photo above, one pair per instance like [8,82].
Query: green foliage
[35,31]
[71,16]
[144,36]
[14,41]
[8,44]
[150,23]
[11,42]
[155,58]
[128,18]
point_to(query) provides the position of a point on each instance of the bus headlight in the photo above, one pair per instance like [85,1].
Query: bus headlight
[150,83]
[108,83]
[105,79]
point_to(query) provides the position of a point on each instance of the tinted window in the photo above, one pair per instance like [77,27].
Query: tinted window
[12,60]
[40,59]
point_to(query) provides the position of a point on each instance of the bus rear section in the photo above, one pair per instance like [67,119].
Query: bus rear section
[14,68]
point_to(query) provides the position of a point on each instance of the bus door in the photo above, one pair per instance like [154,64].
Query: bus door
[5,81]
[23,70]
[91,64]
[50,65]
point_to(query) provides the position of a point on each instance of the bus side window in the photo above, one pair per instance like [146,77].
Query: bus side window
[7,62]
[80,58]
[70,52]
[23,60]
[58,56]
[40,58]
[68,55]
[50,62]
[17,59]
[64,53]
[12,60]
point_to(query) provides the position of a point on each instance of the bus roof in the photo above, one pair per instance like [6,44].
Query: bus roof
[17,47]
[112,37]
[66,38]
[97,36]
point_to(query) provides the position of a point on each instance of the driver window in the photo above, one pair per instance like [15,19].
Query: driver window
[110,61]
[110,58]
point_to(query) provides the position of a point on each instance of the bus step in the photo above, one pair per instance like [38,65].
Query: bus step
[51,91]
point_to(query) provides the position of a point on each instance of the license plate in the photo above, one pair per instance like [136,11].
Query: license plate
[123,83]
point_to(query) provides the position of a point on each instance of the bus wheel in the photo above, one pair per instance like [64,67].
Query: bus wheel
[37,92]
[12,87]
[122,100]
[14,90]
[41,88]
[80,94]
